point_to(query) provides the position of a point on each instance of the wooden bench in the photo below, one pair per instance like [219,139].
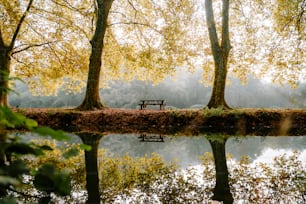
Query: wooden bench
[144,103]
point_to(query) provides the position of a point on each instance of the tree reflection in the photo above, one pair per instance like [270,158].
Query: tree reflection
[222,189]
[91,163]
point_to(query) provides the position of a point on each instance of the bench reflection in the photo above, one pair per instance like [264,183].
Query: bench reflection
[150,138]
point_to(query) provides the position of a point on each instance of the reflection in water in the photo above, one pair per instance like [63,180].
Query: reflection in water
[222,189]
[245,178]
[91,163]
[150,138]
[243,175]
[187,149]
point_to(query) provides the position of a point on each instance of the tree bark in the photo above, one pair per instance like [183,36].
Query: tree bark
[92,97]
[222,190]
[5,61]
[91,163]
[220,53]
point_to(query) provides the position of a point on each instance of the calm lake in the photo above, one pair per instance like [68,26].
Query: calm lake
[187,149]
[273,173]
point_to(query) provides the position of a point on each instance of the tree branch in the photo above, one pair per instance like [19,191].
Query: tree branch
[67,21]
[211,26]
[134,8]
[50,47]
[300,16]
[30,46]
[70,7]
[225,44]
[120,13]
[136,23]
[20,24]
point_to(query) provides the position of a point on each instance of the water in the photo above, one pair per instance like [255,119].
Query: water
[257,182]
[250,182]
[187,149]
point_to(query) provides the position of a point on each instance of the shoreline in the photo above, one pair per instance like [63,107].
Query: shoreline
[259,122]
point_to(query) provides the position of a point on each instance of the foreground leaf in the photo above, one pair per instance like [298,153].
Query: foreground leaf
[55,134]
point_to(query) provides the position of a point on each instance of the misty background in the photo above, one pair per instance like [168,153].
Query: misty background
[185,91]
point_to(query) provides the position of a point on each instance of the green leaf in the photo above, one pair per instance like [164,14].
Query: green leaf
[49,179]
[4,123]
[45,147]
[8,200]
[55,134]
[85,147]
[17,168]
[63,184]
[6,180]
[70,153]
[45,199]
[11,119]
[21,148]
[43,180]
[29,123]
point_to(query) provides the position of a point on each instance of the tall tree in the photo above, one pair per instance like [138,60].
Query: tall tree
[220,51]
[6,49]
[144,49]
[37,44]
[150,46]
[92,97]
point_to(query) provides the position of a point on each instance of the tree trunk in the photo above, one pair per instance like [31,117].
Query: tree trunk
[92,97]
[91,163]
[217,98]
[4,73]
[222,190]
[220,53]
